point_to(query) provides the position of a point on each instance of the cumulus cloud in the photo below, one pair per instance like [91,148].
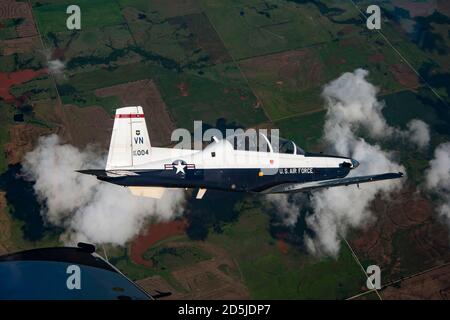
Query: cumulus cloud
[352,104]
[286,207]
[56,66]
[352,108]
[418,133]
[88,209]
[437,179]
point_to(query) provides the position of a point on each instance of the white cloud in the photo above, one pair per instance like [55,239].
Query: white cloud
[287,207]
[438,179]
[418,133]
[351,102]
[352,107]
[88,209]
[56,66]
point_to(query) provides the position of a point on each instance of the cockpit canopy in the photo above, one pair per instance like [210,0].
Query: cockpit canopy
[289,147]
[260,142]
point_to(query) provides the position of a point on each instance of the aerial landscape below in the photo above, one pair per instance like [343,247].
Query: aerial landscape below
[370,103]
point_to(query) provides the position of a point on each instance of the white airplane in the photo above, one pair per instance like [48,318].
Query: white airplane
[222,165]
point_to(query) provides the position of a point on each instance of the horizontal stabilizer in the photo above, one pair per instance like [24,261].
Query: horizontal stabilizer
[108,173]
[93,172]
[300,187]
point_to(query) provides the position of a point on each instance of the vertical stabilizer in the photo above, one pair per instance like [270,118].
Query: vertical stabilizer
[130,144]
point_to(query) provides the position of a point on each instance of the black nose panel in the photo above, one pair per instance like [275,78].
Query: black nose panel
[345,165]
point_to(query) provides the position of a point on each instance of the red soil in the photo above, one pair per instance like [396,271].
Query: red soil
[7,80]
[282,246]
[376,58]
[281,242]
[404,75]
[183,89]
[58,53]
[154,234]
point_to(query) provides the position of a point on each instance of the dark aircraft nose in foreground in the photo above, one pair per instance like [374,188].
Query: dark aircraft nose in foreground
[65,273]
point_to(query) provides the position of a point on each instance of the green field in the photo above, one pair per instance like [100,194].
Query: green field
[210,96]
[208,100]
[69,95]
[305,130]
[21,61]
[403,106]
[87,50]
[8,29]
[36,89]
[165,261]
[51,16]
[269,274]
[165,8]
[290,84]
[172,258]
[119,257]
[19,243]
[6,116]
[258,28]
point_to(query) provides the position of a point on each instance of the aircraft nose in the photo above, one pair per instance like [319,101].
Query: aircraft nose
[355,164]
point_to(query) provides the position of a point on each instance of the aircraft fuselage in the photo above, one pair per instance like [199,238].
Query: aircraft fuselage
[221,167]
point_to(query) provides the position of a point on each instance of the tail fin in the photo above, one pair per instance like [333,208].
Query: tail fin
[130,144]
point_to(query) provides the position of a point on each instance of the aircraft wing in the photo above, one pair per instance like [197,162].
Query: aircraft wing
[307,186]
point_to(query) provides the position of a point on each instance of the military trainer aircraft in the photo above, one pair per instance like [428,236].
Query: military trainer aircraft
[225,164]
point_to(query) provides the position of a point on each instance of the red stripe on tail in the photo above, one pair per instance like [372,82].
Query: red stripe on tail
[131,115]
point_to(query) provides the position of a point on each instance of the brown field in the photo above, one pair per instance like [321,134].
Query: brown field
[10,79]
[145,93]
[444,6]
[10,9]
[155,233]
[347,30]
[431,285]
[404,75]
[417,8]
[23,138]
[378,57]
[77,126]
[158,283]
[5,224]
[405,239]
[204,280]
[299,69]
[19,45]
[85,126]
